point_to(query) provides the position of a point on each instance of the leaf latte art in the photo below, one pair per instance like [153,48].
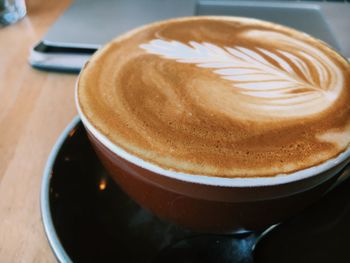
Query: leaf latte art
[220,96]
[285,88]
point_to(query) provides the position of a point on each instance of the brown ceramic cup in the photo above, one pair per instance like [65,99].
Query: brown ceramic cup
[212,204]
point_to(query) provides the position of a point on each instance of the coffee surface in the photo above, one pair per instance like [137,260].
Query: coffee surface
[219,96]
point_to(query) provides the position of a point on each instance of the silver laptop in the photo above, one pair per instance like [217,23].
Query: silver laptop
[88,24]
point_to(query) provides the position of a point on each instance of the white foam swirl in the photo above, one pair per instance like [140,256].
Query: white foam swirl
[288,87]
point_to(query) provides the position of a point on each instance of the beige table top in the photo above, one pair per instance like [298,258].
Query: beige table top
[35,107]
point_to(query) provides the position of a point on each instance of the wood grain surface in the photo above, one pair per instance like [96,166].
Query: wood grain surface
[35,107]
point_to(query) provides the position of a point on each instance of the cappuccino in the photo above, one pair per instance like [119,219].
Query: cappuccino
[220,96]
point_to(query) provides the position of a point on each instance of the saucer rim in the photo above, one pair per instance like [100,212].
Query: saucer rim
[46,216]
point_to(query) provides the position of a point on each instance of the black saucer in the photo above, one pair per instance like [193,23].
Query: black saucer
[87,218]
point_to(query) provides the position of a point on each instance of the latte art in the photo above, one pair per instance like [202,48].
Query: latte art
[220,96]
[284,90]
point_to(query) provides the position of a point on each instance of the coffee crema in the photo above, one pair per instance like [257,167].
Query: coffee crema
[220,96]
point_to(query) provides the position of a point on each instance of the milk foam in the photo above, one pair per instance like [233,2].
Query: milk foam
[271,90]
[211,96]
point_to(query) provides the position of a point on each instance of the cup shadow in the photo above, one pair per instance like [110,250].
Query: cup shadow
[319,234]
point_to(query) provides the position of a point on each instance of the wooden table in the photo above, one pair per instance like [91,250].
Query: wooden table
[35,107]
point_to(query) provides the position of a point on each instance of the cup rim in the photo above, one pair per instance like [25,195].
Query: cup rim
[205,179]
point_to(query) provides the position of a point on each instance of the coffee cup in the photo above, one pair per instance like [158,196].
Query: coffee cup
[219,124]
